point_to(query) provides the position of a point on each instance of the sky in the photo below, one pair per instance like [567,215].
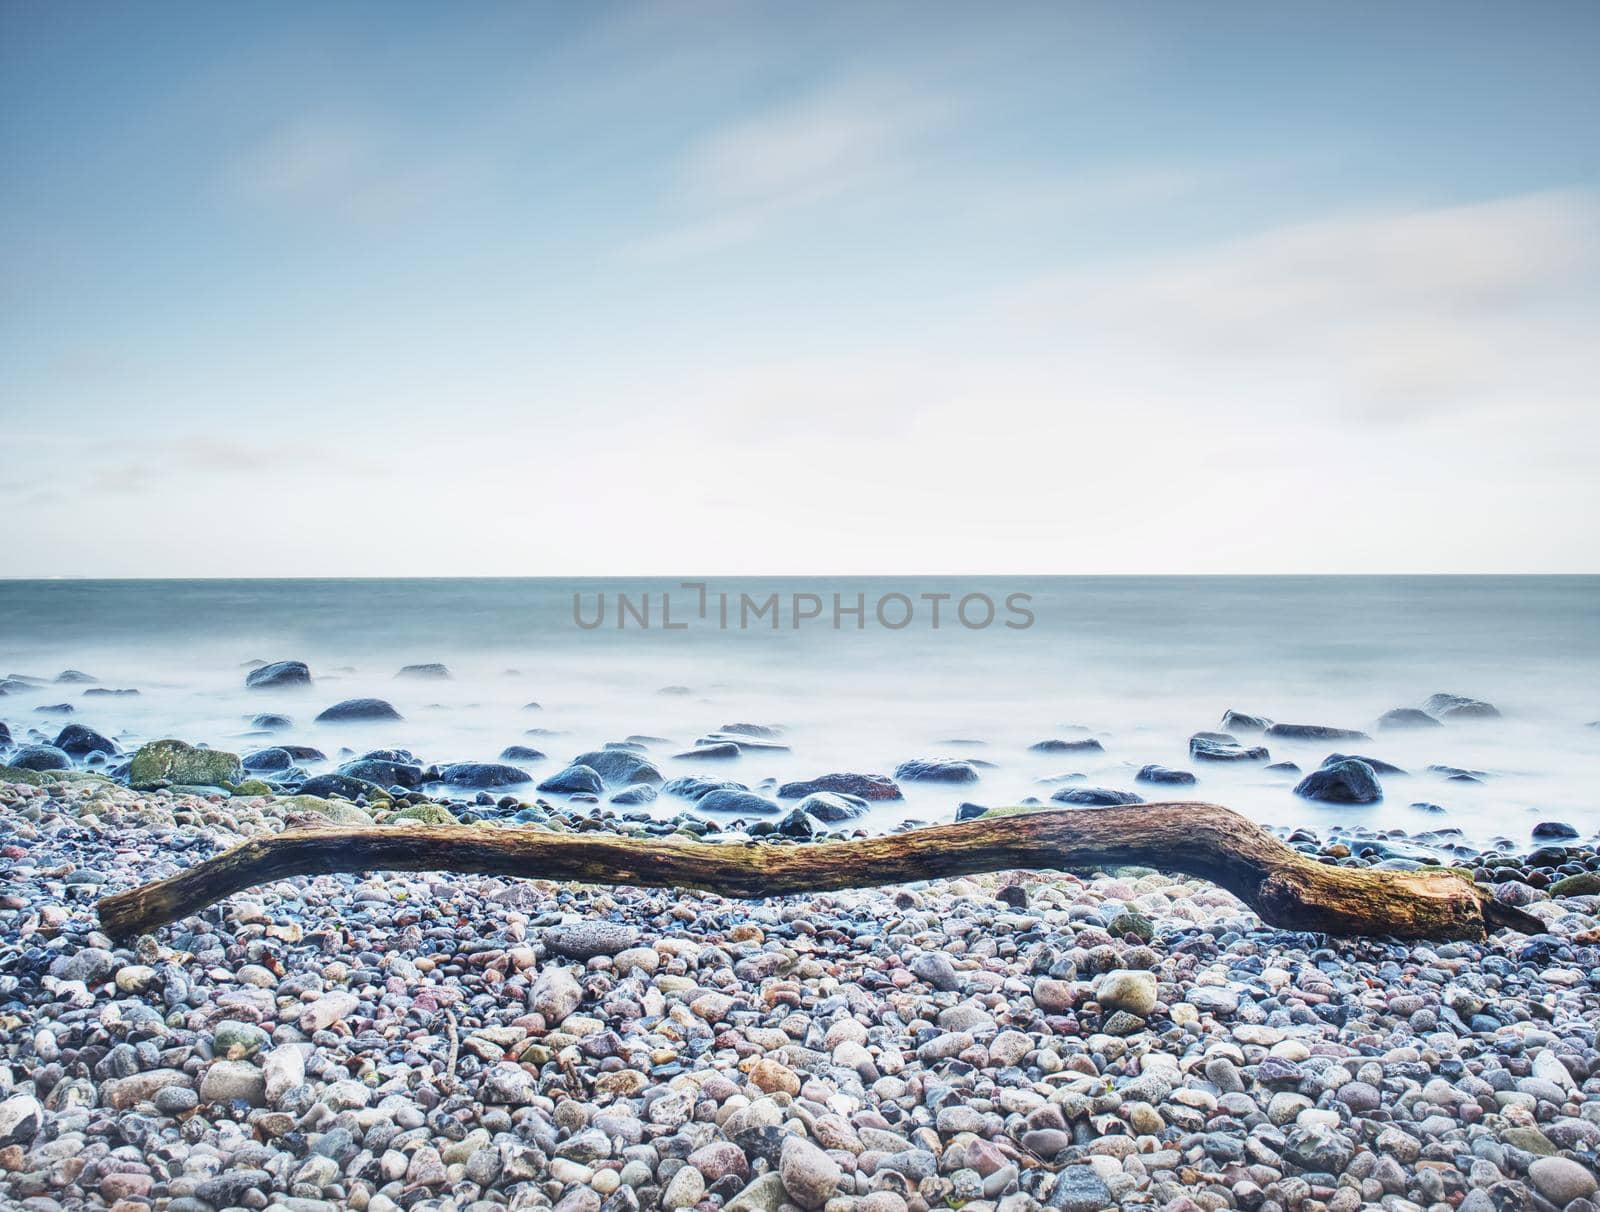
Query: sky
[382,289]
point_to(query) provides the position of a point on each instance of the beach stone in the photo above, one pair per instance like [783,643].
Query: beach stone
[1554,831]
[765,1194]
[936,771]
[1316,732]
[1350,781]
[21,1117]
[1053,996]
[1220,747]
[1095,796]
[585,940]
[619,767]
[934,968]
[1459,707]
[173,761]
[1404,718]
[741,803]
[871,787]
[431,671]
[1080,1189]
[1127,989]
[79,740]
[277,675]
[283,1069]
[327,1010]
[40,757]
[555,995]
[830,807]
[575,780]
[353,710]
[233,1081]
[1562,1180]
[123,1093]
[483,775]
[810,1176]
[1162,776]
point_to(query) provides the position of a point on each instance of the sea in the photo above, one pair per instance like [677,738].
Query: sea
[864,674]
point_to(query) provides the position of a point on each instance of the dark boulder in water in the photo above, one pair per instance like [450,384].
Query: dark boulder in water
[520,753]
[39,757]
[575,779]
[766,732]
[1161,775]
[342,786]
[1220,747]
[1554,829]
[744,743]
[740,803]
[5,734]
[385,771]
[1239,721]
[639,793]
[56,709]
[433,671]
[271,721]
[304,753]
[483,774]
[74,677]
[830,807]
[1054,745]
[1378,764]
[270,759]
[969,812]
[1426,806]
[80,741]
[1404,718]
[106,692]
[1456,774]
[936,771]
[691,787]
[1348,782]
[873,787]
[717,751]
[619,767]
[1283,768]
[797,824]
[1095,797]
[358,709]
[277,675]
[1316,732]
[1459,707]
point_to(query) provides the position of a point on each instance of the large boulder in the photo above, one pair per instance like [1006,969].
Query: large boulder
[937,771]
[359,709]
[433,671]
[1458,707]
[1096,797]
[1161,775]
[521,753]
[79,740]
[693,787]
[1316,732]
[1378,764]
[830,807]
[173,761]
[344,786]
[269,760]
[483,775]
[863,786]
[743,803]
[711,751]
[1220,747]
[271,721]
[1405,718]
[278,675]
[1086,745]
[619,767]
[40,757]
[575,780]
[385,771]
[1350,781]
[1239,721]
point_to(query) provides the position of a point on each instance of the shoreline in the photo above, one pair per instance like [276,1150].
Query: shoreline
[1001,1043]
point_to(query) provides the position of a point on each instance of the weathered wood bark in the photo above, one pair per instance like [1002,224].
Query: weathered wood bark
[1282,885]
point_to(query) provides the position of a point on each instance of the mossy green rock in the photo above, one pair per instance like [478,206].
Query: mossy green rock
[427,814]
[162,762]
[338,811]
[252,787]
[16,774]
[1136,924]
[1587,884]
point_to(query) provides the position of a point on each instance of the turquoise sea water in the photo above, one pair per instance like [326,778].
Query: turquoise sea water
[1139,662]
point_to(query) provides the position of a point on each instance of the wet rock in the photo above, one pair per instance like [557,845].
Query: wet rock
[1553,830]
[1378,765]
[1404,719]
[78,740]
[1220,747]
[1095,796]
[936,771]
[521,753]
[21,1117]
[384,771]
[1239,721]
[743,803]
[483,775]
[831,807]
[874,787]
[639,793]
[1347,782]
[1316,732]
[1161,775]
[278,675]
[619,767]
[810,1176]
[713,751]
[1458,707]
[271,721]
[431,671]
[585,940]
[356,710]
[1127,989]
[39,757]
[574,780]
[178,762]
[342,786]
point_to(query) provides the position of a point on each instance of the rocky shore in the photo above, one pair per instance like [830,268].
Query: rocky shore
[1067,1041]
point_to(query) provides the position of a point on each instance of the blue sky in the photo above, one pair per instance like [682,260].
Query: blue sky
[399,288]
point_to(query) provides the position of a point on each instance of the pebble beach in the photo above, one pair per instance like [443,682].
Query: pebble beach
[1073,1041]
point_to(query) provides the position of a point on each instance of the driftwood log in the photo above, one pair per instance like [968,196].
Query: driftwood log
[1286,888]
